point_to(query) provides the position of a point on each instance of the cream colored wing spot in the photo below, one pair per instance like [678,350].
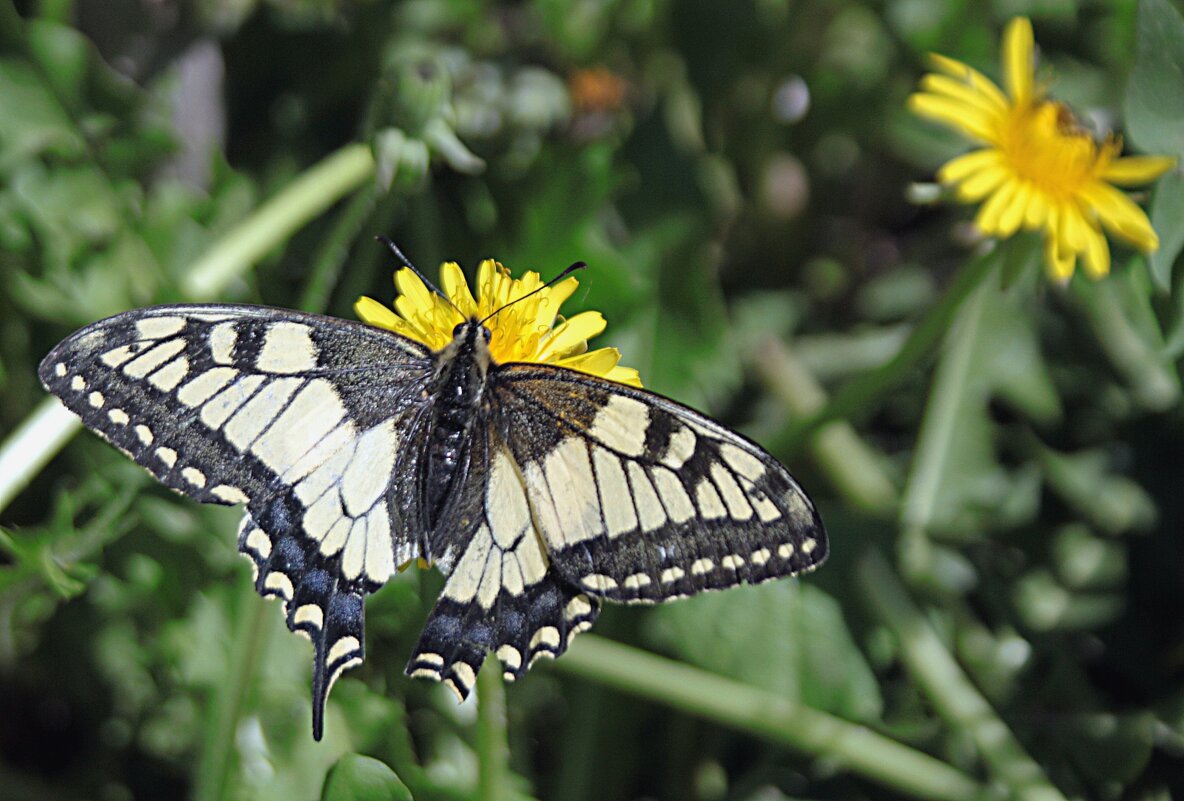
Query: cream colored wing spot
[434,660]
[645,498]
[205,385]
[732,562]
[95,399]
[734,497]
[465,674]
[167,455]
[353,557]
[636,581]
[310,614]
[619,514]
[254,416]
[766,510]
[144,434]
[808,545]
[308,420]
[168,377]
[506,507]
[222,340]
[701,566]
[287,348]
[547,636]
[194,476]
[77,383]
[710,505]
[280,583]
[680,448]
[229,494]
[674,496]
[118,416]
[577,607]
[742,462]
[569,476]
[760,556]
[259,542]
[159,327]
[117,356]
[671,575]
[621,425]
[60,370]
[369,472]
[153,358]
[218,409]
[465,580]
[510,656]
[785,550]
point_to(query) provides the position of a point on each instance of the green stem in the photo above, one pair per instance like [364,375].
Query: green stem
[275,221]
[493,749]
[856,470]
[218,744]
[772,717]
[943,681]
[1152,380]
[857,396]
[30,447]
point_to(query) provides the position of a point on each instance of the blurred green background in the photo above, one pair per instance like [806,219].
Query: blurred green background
[997,459]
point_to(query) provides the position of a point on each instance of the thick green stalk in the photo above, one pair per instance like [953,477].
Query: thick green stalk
[30,447]
[276,220]
[218,742]
[947,686]
[771,717]
[493,749]
[857,471]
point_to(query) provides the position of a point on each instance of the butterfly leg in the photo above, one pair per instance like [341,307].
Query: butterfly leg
[316,604]
[519,628]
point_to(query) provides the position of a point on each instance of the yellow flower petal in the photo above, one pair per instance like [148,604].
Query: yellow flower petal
[968,121]
[1012,217]
[991,211]
[962,92]
[1136,170]
[1060,262]
[1121,216]
[982,183]
[964,72]
[523,330]
[1097,253]
[1018,60]
[964,166]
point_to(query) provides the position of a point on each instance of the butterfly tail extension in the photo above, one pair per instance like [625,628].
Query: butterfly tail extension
[316,605]
[519,628]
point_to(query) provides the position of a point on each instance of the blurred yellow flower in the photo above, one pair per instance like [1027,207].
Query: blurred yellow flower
[527,331]
[1038,168]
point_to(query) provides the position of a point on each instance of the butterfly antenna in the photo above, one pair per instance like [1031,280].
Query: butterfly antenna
[579,265]
[407,263]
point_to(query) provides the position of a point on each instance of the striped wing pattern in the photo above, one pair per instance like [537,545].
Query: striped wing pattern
[574,490]
[297,416]
[600,491]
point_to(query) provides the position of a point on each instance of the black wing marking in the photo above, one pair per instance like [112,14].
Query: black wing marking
[641,499]
[501,594]
[305,419]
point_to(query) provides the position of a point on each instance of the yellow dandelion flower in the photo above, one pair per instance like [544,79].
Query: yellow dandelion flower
[529,330]
[1038,168]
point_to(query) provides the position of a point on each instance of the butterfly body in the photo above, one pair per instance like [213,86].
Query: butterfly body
[537,490]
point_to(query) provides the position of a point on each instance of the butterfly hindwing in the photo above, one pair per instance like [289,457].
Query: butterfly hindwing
[501,596]
[640,499]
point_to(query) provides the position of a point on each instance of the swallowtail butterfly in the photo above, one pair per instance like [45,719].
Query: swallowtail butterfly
[539,491]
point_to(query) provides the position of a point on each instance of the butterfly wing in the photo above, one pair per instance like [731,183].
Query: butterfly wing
[305,419]
[501,595]
[640,499]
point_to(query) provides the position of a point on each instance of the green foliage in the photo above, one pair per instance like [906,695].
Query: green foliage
[998,618]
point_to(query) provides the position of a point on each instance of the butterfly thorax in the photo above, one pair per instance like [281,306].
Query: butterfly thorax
[459,387]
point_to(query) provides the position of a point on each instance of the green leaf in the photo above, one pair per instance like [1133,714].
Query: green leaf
[956,483]
[786,637]
[1155,96]
[1167,218]
[362,778]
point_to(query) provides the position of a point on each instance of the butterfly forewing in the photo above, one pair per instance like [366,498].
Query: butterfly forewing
[640,499]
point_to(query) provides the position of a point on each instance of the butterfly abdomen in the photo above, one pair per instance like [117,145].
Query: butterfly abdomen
[459,388]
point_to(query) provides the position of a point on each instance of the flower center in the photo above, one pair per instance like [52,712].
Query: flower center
[1046,146]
